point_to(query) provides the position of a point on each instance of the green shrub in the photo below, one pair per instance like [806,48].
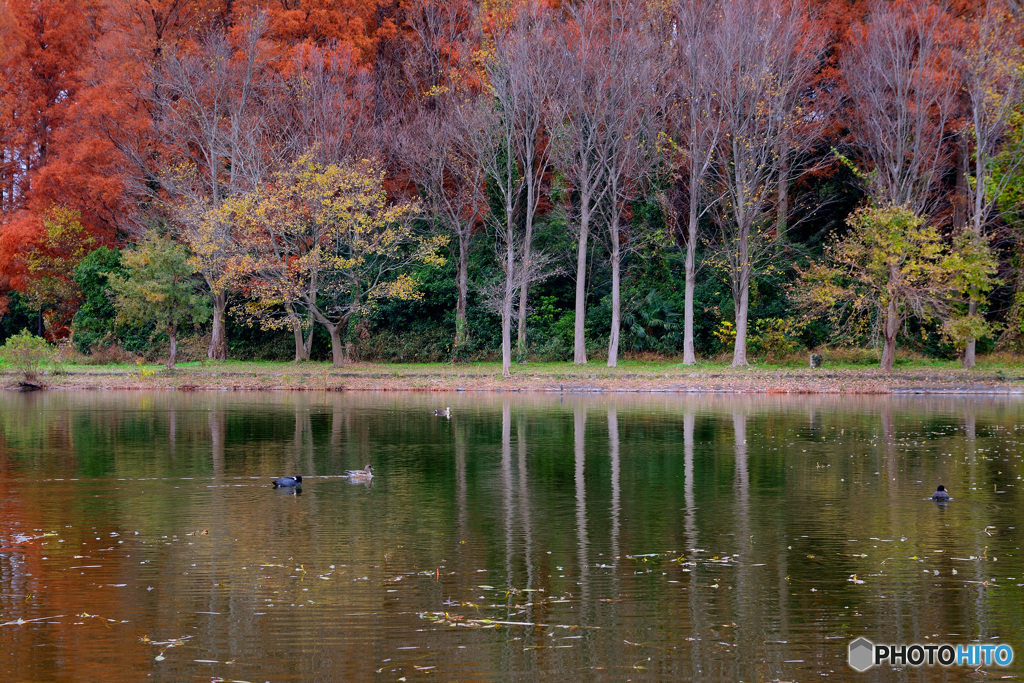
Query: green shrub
[776,338]
[27,354]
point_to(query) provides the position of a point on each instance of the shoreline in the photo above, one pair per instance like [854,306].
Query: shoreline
[546,378]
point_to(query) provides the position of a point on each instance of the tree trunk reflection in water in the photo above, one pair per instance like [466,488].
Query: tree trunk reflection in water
[338,420]
[172,432]
[506,485]
[215,420]
[460,481]
[220,559]
[302,459]
[979,578]
[697,602]
[750,634]
[894,608]
[613,449]
[524,509]
[579,427]
[889,442]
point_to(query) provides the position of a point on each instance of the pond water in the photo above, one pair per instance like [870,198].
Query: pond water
[529,536]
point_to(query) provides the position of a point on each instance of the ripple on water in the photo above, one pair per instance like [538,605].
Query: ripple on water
[527,537]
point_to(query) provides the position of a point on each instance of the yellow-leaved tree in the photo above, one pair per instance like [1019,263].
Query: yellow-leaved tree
[892,266]
[324,239]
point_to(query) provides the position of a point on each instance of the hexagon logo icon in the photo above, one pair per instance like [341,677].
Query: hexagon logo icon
[862,654]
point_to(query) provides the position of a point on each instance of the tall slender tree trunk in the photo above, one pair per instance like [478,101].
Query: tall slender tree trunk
[461,325]
[739,348]
[613,337]
[782,197]
[510,291]
[218,339]
[961,203]
[172,334]
[579,340]
[742,300]
[689,353]
[527,252]
[892,323]
[506,311]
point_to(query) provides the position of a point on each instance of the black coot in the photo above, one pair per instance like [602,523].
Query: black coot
[287,481]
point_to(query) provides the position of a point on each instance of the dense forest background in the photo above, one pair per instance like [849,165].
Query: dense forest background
[403,180]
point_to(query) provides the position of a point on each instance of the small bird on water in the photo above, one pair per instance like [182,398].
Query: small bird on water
[365,474]
[447,412]
[940,493]
[287,481]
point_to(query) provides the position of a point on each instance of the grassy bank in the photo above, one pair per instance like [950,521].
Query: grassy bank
[1002,374]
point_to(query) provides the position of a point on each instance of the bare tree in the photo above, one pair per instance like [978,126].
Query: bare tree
[214,131]
[902,95]
[489,133]
[322,107]
[441,28]
[993,74]
[580,106]
[437,149]
[631,122]
[769,53]
[697,126]
[525,52]
[441,148]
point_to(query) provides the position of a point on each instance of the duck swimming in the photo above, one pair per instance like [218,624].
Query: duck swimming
[940,493]
[447,412]
[287,481]
[365,474]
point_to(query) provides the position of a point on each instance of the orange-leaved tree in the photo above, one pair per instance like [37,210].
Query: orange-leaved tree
[50,285]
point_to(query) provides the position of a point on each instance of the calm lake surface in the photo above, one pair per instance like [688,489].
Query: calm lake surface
[528,537]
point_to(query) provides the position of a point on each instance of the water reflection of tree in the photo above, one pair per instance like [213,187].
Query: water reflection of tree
[732,475]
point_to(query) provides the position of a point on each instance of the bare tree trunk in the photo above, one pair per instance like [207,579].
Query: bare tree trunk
[613,338]
[782,194]
[892,324]
[961,203]
[506,310]
[579,340]
[218,339]
[742,301]
[510,287]
[301,352]
[689,353]
[739,348]
[461,325]
[300,342]
[521,330]
[968,361]
[172,334]
[782,205]
[307,347]
[337,348]
[527,248]
[337,330]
